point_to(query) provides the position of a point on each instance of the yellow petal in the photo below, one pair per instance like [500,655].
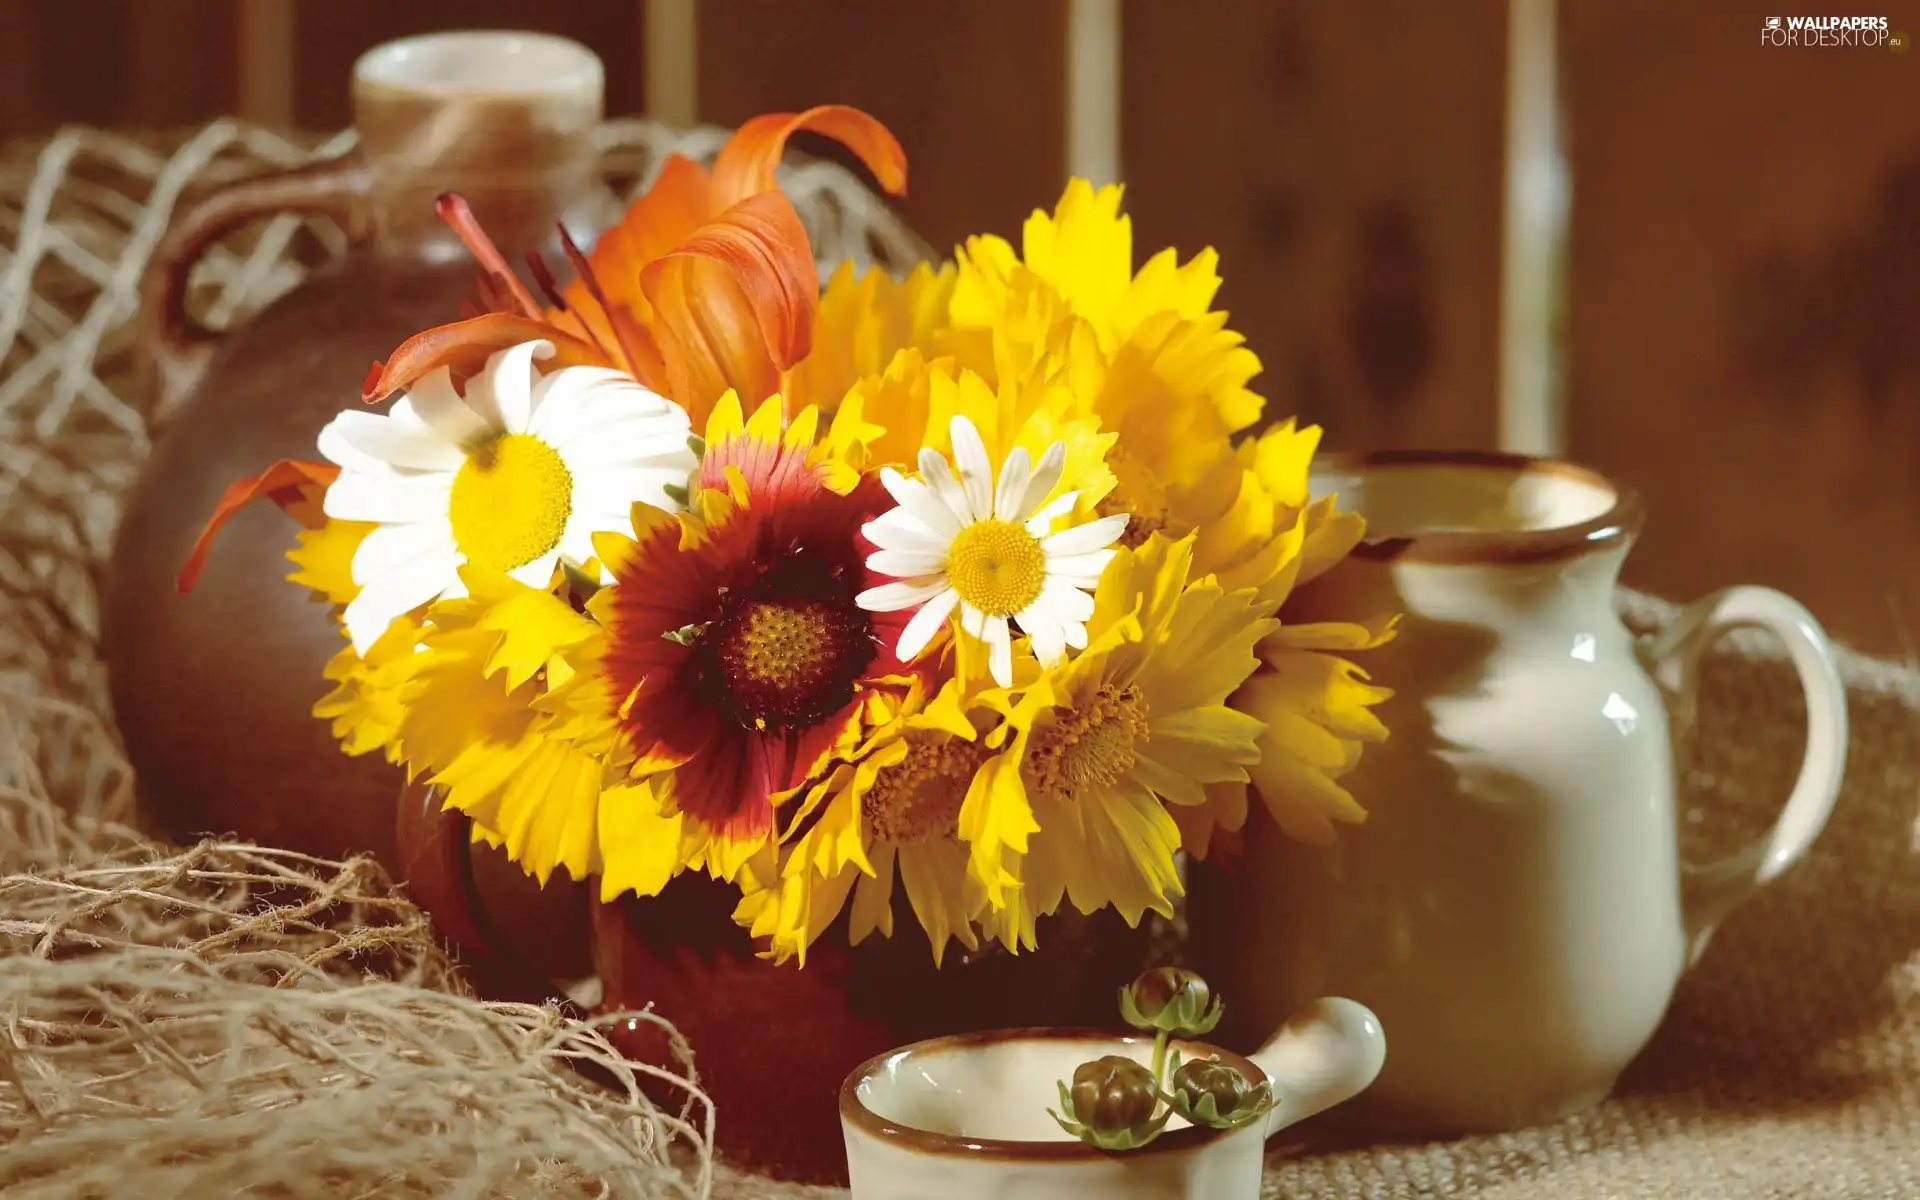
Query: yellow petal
[640,842]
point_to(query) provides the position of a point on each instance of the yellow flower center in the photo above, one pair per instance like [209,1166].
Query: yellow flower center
[1139,494]
[776,642]
[1089,746]
[511,500]
[996,566]
[920,796]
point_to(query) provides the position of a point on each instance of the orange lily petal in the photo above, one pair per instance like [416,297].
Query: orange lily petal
[746,164]
[677,204]
[733,306]
[464,347]
[285,483]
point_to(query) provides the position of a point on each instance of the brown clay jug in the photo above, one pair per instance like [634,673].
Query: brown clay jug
[213,691]
[772,1044]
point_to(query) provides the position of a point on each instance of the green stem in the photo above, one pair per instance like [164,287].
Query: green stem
[1159,1057]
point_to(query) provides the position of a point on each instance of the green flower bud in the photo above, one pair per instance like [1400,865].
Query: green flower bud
[1210,1077]
[1112,1104]
[1209,1092]
[1170,1000]
[1113,1093]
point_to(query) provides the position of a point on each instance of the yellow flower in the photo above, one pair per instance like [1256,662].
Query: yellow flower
[368,701]
[863,322]
[1158,322]
[888,811]
[1094,751]
[1316,707]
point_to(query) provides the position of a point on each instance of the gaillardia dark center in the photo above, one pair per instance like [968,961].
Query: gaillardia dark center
[785,652]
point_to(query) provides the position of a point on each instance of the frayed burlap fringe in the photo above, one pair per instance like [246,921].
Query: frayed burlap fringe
[225,1020]
[229,1021]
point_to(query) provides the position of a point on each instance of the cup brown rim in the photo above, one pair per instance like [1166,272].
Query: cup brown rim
[1612,529]
[854,1111]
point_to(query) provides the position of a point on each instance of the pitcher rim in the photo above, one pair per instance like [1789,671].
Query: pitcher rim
[854,1110]
[1613,529]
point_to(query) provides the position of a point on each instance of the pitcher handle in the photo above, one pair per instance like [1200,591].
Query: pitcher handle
[1709,891]
[1326,1054]
[172,342]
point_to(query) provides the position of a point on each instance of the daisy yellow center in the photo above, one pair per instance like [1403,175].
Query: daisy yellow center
[511,500]
[1089,746]
[996,566]
[919,797]
[787,662]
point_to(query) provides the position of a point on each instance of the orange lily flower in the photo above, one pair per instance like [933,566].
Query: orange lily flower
[707,284]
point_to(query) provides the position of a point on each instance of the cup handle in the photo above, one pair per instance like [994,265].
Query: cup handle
[1326,1054]
[1709,891]
[172,342]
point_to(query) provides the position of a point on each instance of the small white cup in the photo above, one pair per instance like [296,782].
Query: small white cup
[958,1118]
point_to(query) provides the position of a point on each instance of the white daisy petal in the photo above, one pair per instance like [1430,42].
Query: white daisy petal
[510,372]
[1066,601]
[432,401]
[389,499]
[1080,567]
[336,449]
[1075,633]
[1081,539]
[931,618]
[906,564]
[397,443]
[392,548]
[999,651]
[976,471]
[382,602]
[915,498]
[898,529]
[1044,631]
[939,479]
[1045,476]
[1040,524]
[1014,474]
[892,597]
[973,620]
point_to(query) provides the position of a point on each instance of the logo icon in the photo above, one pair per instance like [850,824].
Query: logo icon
[1773,22]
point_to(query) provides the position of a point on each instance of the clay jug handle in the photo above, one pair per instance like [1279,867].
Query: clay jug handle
[1326,1054]
[174,344]
[1709,891]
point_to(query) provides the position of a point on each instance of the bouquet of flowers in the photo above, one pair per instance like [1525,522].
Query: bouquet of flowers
[969,584]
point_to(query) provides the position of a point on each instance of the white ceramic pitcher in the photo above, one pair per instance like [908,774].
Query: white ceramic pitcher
[1514,907]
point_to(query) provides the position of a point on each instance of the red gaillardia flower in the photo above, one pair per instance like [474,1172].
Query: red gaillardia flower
[736,653]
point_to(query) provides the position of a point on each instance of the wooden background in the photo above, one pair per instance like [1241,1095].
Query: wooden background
[1744,339]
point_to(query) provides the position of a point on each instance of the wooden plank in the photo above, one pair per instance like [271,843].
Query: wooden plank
[267,64]
[671,31]
[79,66]
[181,62]
[1746,289]
[1345,159]
[332,35]
[974,91]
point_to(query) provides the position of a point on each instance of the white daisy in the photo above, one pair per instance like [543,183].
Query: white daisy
[988,551]
[516,475]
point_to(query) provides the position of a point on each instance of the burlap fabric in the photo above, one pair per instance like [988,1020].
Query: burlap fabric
[227,1021]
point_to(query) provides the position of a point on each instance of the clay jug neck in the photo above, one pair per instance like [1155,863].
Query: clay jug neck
[505,119]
